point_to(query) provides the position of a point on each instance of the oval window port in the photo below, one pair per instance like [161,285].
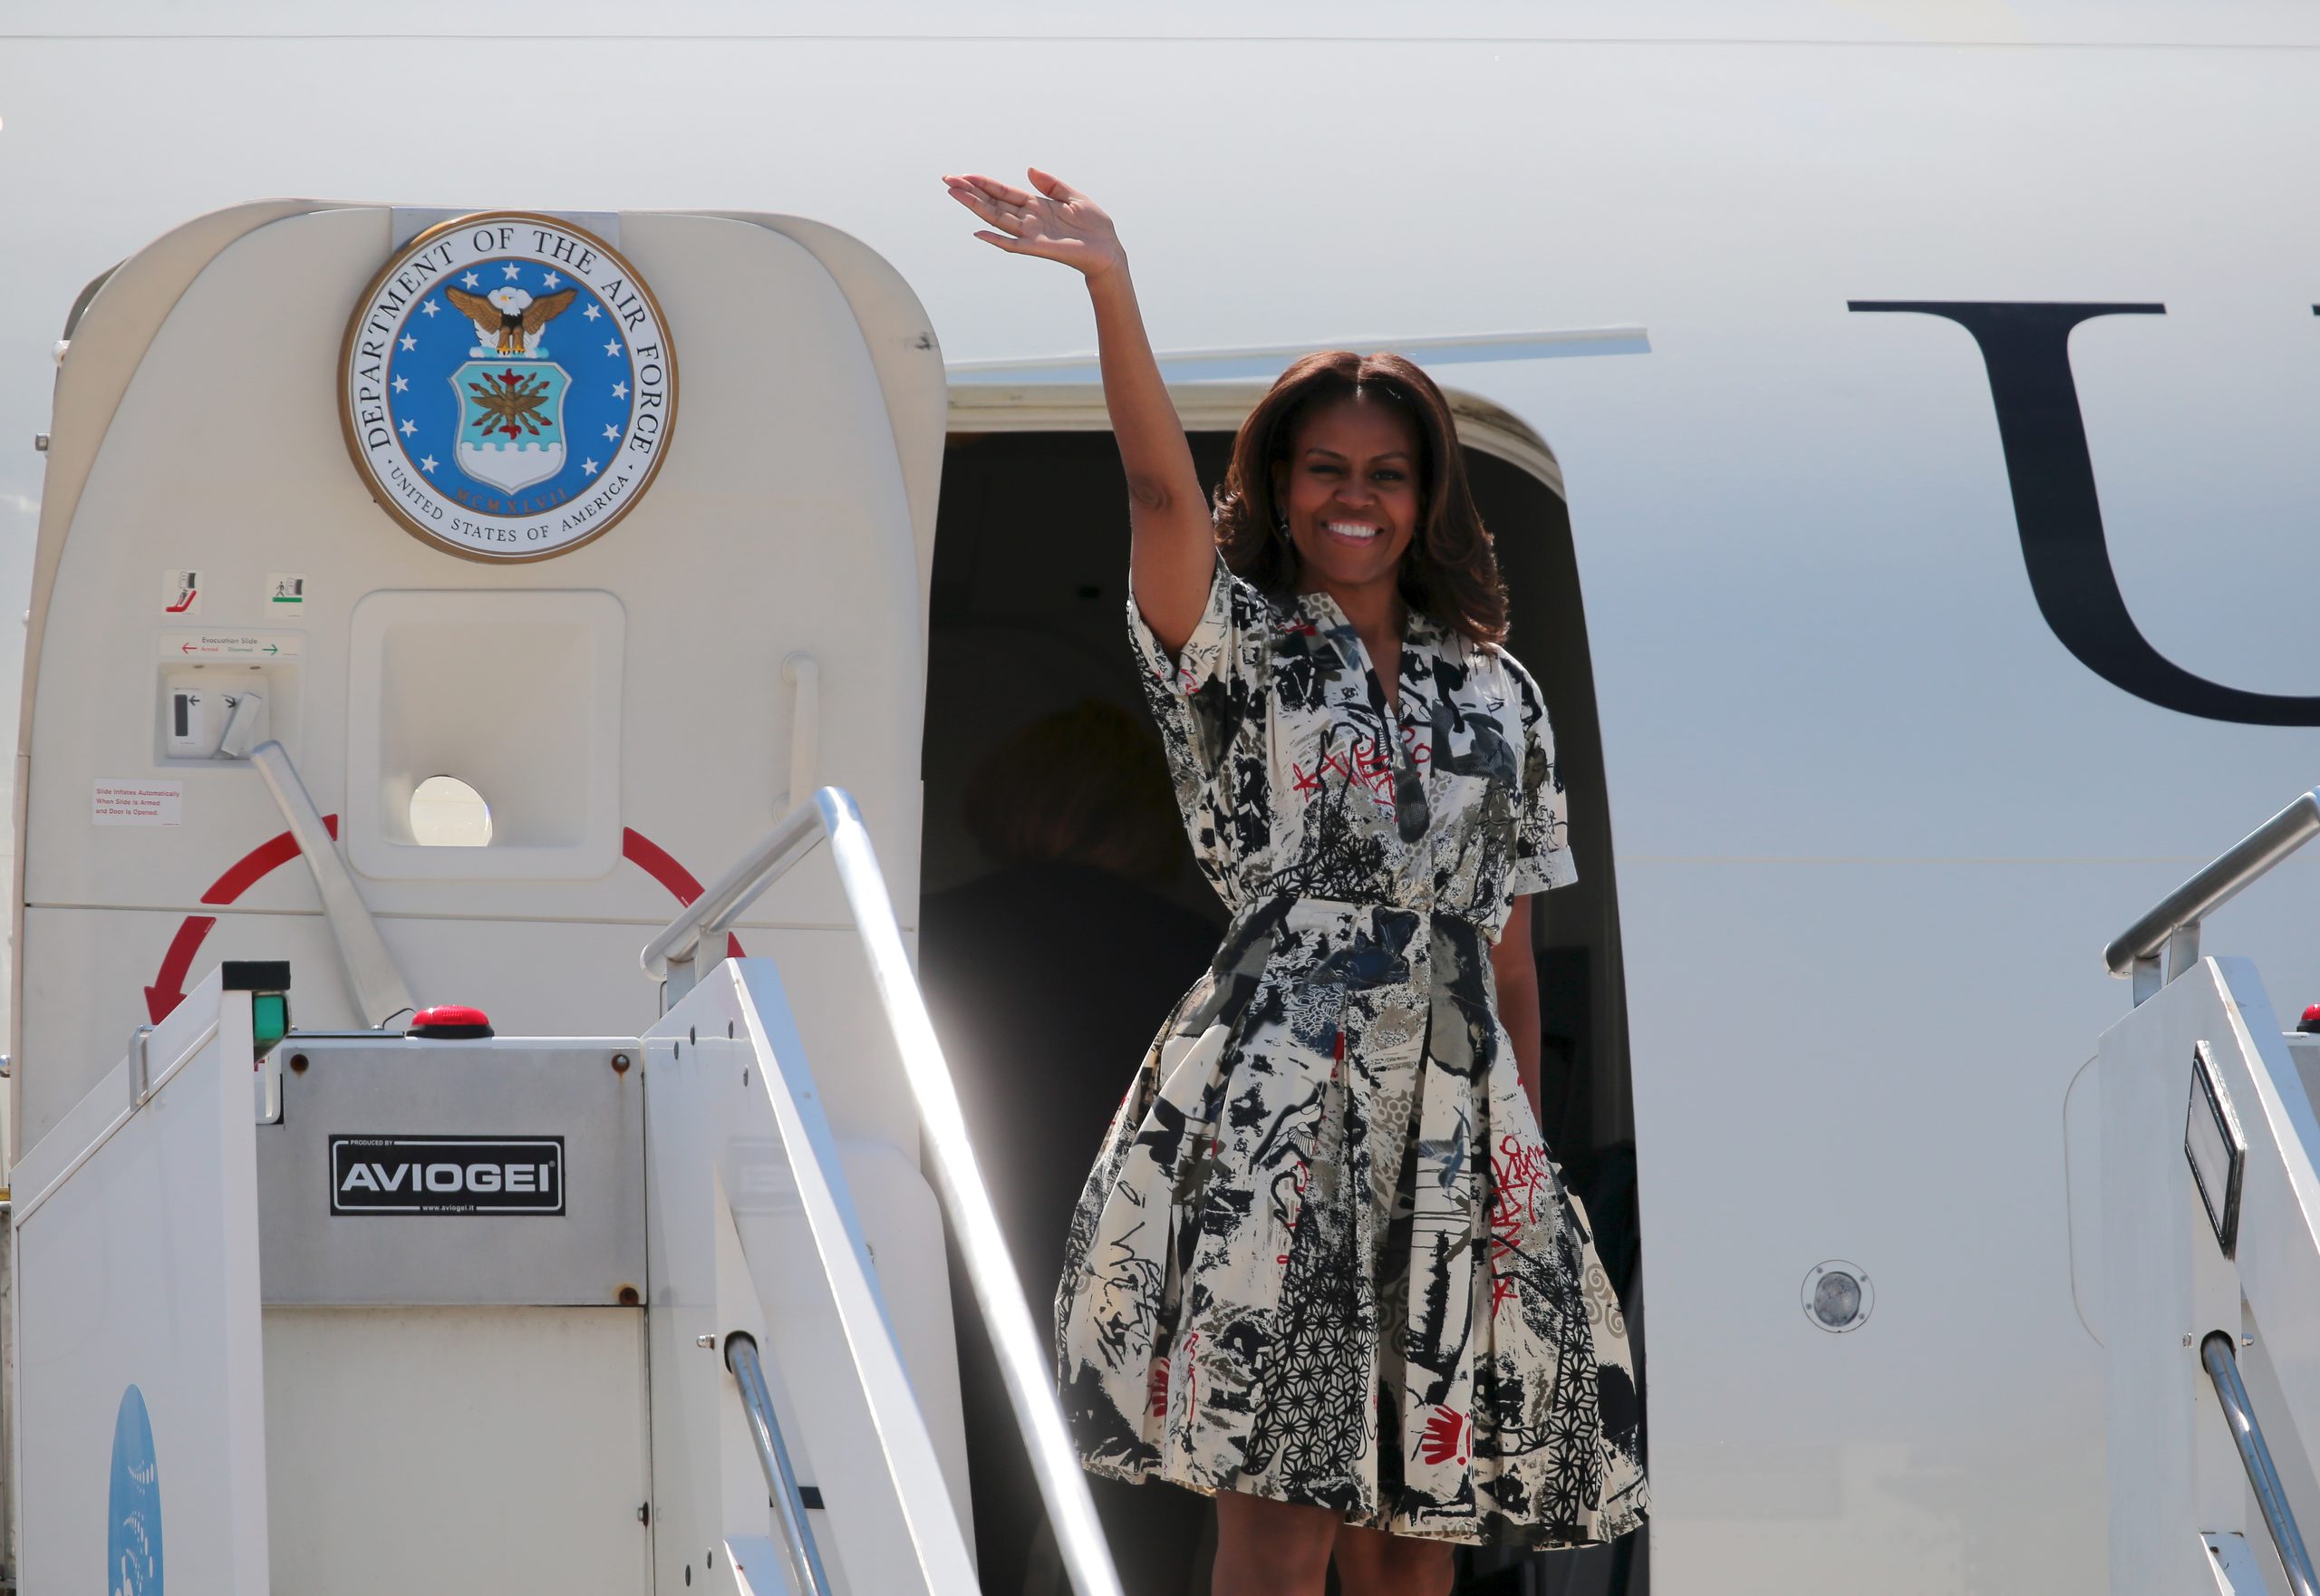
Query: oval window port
[448,813]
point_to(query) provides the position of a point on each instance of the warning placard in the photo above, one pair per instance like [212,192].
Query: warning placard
[139,803]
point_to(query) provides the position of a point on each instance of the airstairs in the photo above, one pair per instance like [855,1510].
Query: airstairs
[2210,1236]
[310,1295]
[421,1392]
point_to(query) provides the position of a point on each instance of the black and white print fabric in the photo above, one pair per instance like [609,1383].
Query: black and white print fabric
[1324,1256]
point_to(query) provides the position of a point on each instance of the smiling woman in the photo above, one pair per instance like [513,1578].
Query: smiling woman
[1325,1268]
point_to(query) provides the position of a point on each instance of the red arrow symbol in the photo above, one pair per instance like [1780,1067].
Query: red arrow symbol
[169,989]
[244,873]
[185,648]
[657,862]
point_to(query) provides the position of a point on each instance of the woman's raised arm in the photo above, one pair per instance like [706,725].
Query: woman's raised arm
[1172,550]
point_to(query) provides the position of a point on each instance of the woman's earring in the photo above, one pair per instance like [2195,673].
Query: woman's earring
[1280,523]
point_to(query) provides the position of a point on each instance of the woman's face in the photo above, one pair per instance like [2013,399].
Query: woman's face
[1350,488]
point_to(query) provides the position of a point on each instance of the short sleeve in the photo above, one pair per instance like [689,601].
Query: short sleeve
[1542,858]
[1202,694]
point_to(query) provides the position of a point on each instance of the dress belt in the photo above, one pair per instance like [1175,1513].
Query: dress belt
[1286,903]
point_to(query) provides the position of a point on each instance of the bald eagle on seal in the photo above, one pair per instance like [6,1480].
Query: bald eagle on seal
[511,314]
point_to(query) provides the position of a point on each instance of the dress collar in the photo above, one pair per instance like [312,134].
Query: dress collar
[1419,630]
[1423,637]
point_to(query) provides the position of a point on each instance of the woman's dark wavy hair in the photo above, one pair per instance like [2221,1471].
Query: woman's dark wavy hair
[1449,571]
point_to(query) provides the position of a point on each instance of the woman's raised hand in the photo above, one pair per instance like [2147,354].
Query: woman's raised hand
[1057,222]
[1172,546]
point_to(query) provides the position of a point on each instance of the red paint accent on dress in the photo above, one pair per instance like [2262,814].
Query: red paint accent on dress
[1518,1170]
[1368,765]
[1446,1437]
[1303,1173]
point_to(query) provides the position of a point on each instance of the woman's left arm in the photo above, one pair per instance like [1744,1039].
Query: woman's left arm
[1515,970]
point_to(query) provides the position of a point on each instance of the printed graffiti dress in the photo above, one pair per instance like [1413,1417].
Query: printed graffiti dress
[1324,1256]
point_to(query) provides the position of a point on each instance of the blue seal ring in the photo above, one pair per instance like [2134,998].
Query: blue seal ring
[507,386]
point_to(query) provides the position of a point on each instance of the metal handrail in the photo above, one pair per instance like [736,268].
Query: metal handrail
[2223,1368]
[671,955]
[832,815]
[2173,924]
[780,1480]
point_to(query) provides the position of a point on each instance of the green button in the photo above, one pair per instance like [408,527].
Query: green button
[269,1020]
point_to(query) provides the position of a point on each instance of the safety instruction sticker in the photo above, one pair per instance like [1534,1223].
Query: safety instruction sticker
[122,801]
[181,593]
[285,590]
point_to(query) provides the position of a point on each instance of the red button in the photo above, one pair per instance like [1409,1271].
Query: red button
[450,1022]
[2311,1020]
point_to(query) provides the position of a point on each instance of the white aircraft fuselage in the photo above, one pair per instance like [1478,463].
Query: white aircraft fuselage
[1930,391]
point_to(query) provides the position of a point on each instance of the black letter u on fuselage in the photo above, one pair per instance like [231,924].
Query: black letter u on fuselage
[2026,349]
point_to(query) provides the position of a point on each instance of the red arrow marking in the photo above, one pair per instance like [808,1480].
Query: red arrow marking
[655,861]
[271,855]
[169,989]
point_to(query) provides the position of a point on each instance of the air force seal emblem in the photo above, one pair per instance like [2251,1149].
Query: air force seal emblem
[507,386]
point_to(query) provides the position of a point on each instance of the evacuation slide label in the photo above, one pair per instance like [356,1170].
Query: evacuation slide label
[124,801]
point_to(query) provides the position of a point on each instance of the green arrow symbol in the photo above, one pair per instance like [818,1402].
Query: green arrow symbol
[273,648]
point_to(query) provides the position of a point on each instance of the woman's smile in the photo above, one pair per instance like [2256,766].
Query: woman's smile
[1349,493]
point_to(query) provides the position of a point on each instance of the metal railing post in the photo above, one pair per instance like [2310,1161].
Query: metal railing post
[2223,1368]
[2171,928]
[780,1480]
